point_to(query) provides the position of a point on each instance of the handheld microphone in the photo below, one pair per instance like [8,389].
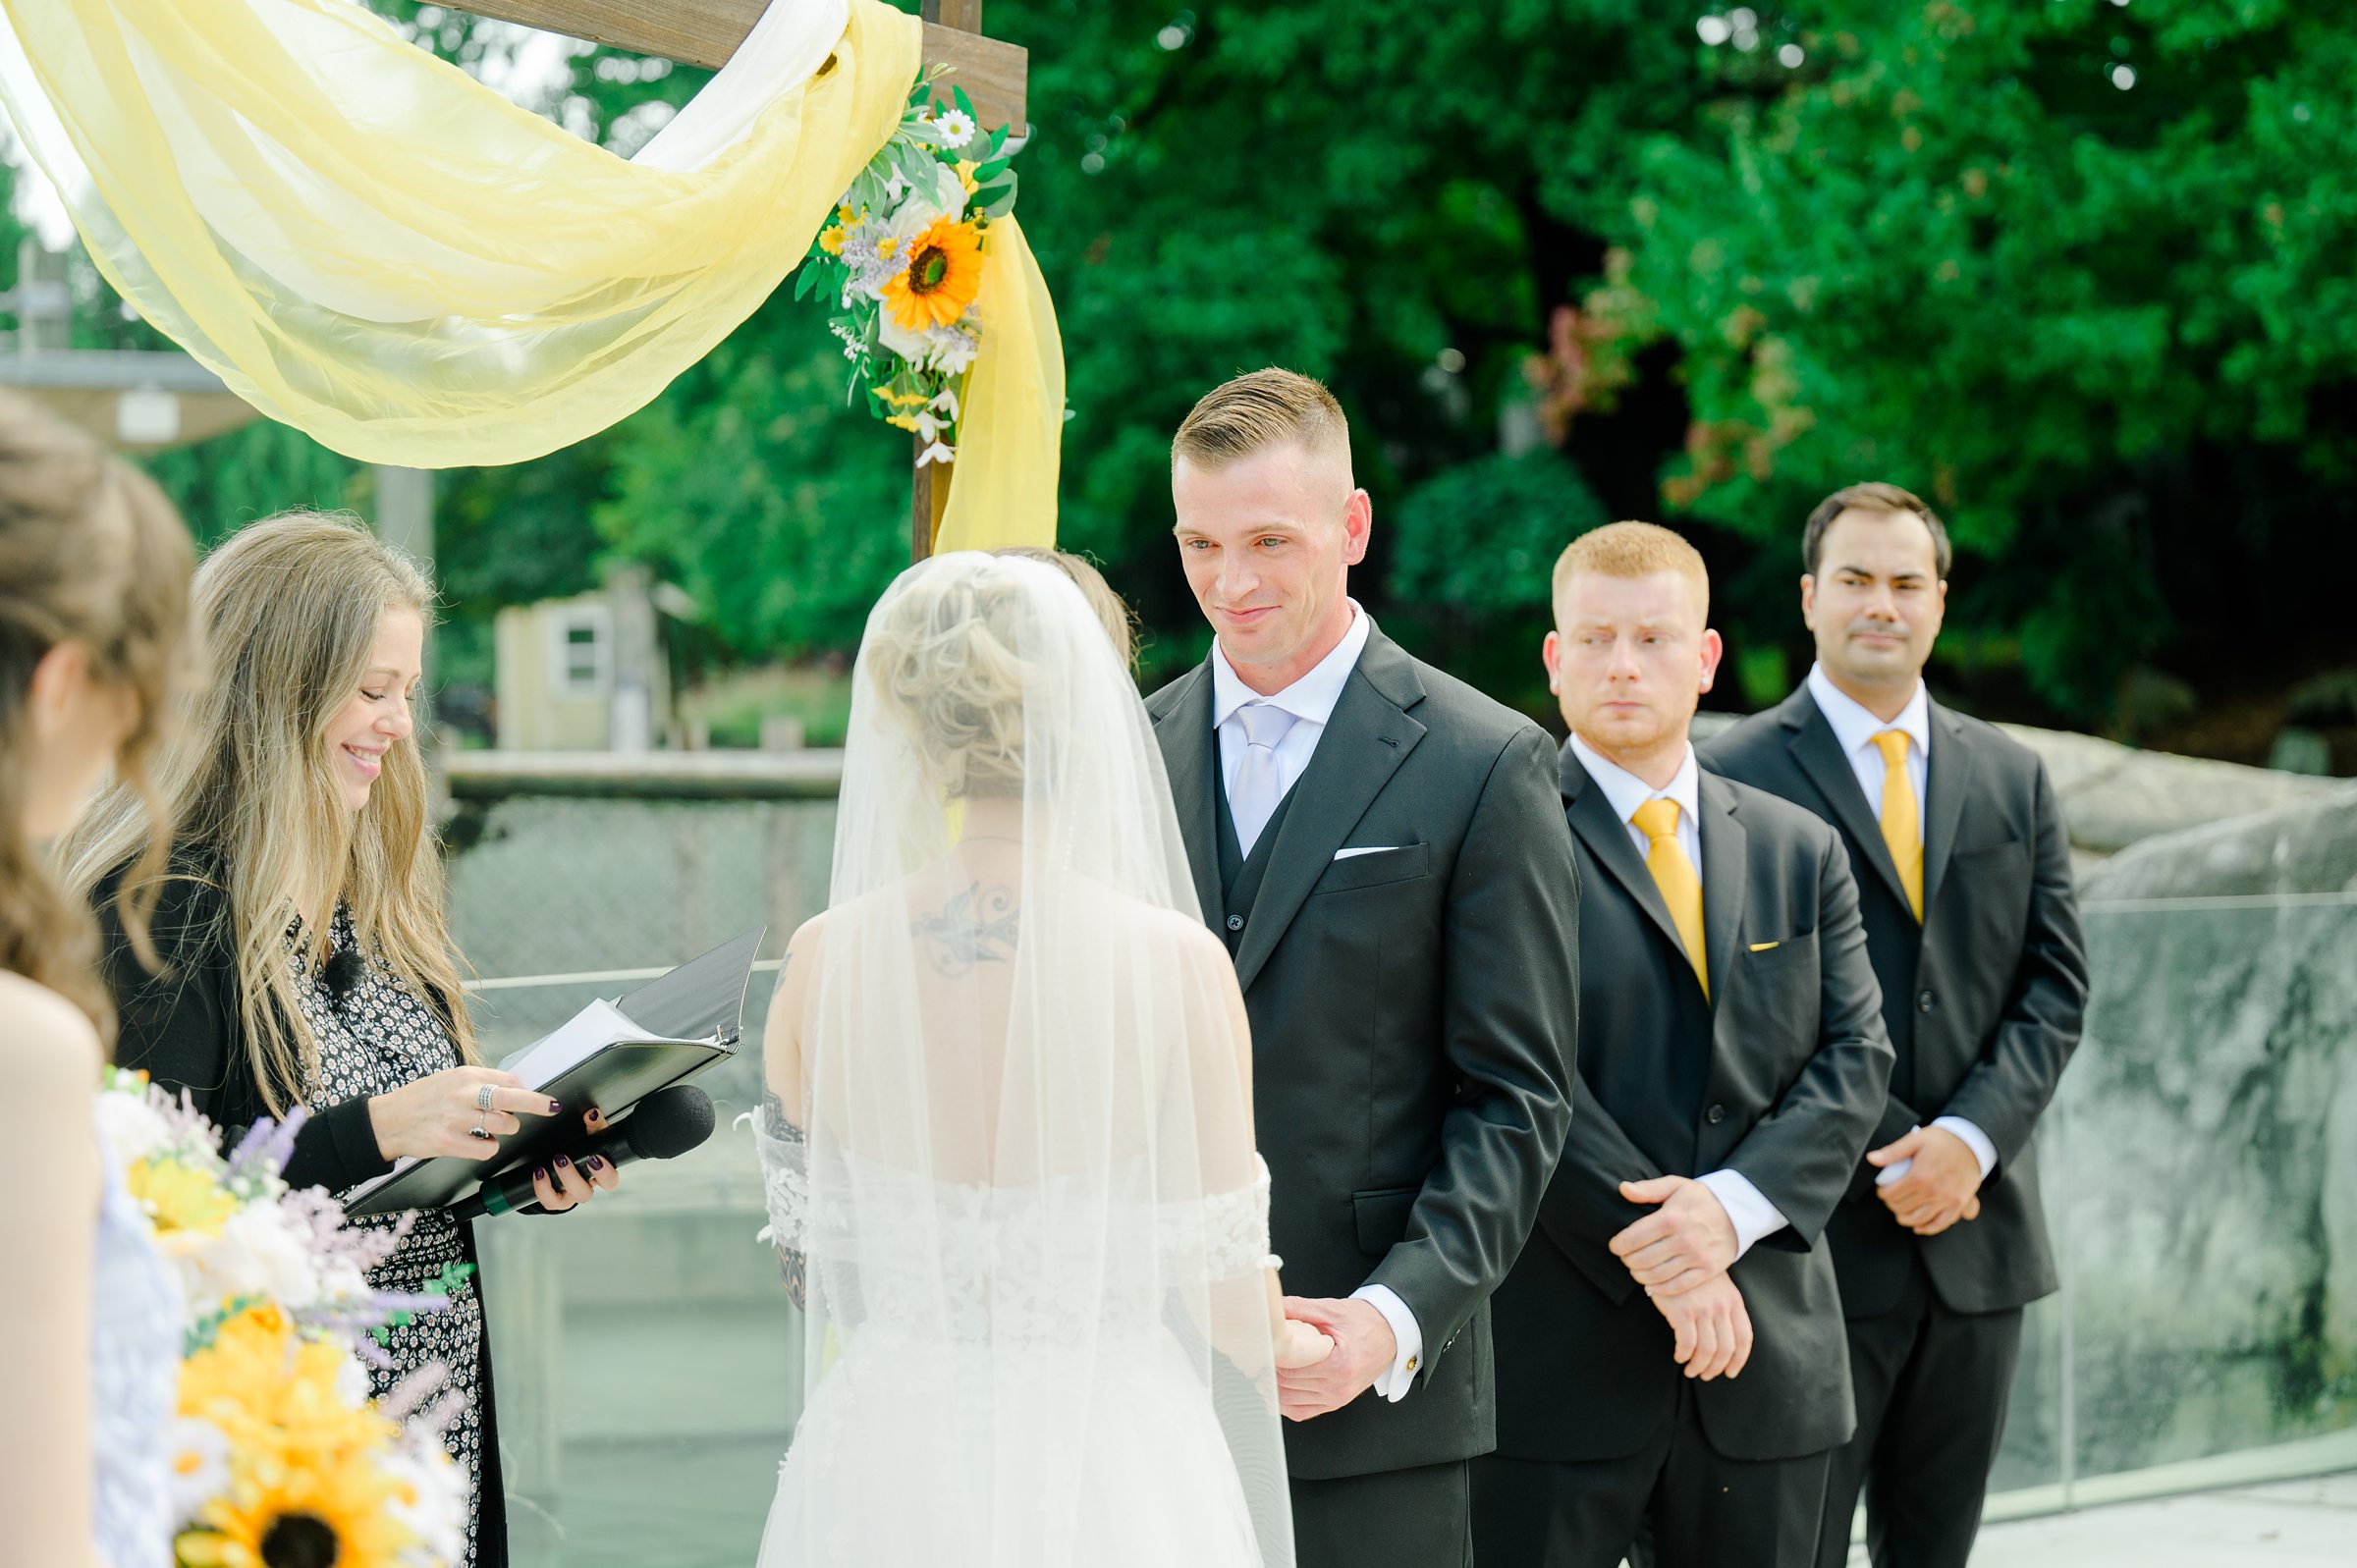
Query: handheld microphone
[667,1124]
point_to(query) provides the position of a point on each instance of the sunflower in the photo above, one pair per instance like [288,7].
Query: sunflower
[313,1511]
[941,277]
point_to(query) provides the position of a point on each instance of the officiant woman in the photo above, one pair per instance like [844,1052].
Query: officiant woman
[307,960]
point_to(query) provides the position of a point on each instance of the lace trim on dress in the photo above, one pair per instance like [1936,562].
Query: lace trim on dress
[1214,1237]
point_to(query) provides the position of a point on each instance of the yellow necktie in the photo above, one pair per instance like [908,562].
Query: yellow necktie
[1903,827]
[1674,873]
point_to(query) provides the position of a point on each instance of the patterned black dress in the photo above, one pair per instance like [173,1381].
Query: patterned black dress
[377,1037]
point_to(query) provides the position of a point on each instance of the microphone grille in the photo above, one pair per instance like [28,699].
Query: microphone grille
[669,1122]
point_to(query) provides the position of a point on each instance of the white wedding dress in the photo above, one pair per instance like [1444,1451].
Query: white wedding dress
[1008,1151]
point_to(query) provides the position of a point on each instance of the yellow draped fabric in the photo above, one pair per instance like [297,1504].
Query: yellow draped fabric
[367,243]
[1011,430]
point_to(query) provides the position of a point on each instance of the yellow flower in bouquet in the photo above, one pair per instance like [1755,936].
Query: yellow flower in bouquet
[307,1478]
[324,1509]
[941,277]
[180,1199]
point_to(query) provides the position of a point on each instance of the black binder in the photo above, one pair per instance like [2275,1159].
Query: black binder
[610,1054]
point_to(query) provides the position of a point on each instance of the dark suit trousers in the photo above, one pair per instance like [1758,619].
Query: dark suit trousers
[1398,1519]
[1932,1386]
[1698,1508]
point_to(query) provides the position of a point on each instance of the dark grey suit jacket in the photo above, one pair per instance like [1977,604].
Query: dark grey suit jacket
[1413,1021]
[1780,1078]
[1983,1000]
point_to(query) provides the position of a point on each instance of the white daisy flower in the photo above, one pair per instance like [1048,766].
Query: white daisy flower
[199,1454]
[957,129]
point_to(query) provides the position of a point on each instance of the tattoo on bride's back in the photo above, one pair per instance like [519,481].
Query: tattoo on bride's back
[977,926]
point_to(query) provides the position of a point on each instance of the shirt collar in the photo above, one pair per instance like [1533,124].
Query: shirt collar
[1627,791]
[1855,727]
[1312,697]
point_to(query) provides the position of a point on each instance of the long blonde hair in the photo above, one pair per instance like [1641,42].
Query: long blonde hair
[91,553]
[291,607]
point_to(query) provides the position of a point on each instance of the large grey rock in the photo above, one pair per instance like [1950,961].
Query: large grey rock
[2203,1161]
[2114,795]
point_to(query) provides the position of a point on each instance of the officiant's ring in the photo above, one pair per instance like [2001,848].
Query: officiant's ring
[482,1101]
[480,1133]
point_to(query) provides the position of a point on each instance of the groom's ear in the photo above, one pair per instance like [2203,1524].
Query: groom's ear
[1714,648]
[1358,525]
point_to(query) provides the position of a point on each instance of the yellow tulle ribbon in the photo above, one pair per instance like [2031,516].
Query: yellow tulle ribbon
[368,244]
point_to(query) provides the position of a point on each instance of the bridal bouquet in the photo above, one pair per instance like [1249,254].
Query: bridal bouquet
[903,256]
[279,1457]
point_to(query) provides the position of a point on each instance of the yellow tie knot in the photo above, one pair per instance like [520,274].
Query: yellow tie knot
[1656,820]
[1892,743]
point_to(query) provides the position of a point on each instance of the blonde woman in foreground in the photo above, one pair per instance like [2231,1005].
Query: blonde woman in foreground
[93,605]
[1008,1139]
[308,960]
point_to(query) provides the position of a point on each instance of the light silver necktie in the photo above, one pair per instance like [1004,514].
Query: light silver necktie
[1258,784]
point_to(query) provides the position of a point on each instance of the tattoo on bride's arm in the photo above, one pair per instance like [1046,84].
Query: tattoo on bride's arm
[975,927]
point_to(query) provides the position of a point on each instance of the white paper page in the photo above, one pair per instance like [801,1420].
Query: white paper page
[599,1024]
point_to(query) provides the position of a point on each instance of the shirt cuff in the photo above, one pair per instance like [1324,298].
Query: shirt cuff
[1974,1139]
[1394,1381]
[1753,1215]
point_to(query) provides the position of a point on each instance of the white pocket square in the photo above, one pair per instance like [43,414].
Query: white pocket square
[1370,849]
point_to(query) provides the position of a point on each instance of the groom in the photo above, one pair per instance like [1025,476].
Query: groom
[1383,851]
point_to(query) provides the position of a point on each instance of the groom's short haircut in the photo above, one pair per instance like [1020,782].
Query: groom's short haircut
[1633,550]
[1259,410]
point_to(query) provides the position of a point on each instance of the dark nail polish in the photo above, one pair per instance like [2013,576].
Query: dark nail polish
[592,1163]
[541,1173]
[563,1162]
[554,1106]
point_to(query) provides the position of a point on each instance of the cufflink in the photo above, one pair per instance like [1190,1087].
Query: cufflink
[1411,1363]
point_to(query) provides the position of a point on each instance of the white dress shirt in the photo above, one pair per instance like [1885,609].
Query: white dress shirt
[1854,726]
[1748,1208]
[1311,700]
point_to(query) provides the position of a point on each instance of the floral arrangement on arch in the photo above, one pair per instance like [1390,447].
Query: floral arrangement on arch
[279,1458]
[903,256]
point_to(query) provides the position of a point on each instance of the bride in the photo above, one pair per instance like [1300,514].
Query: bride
[1007,1143]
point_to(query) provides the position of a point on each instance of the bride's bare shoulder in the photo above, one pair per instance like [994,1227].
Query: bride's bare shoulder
[46,1043]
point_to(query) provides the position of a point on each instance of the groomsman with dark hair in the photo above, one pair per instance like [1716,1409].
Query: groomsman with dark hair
[1964,871]
[1670,1345]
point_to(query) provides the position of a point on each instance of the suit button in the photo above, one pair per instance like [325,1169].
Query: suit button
[1715,1115]
[1925,1001]
[1237,922]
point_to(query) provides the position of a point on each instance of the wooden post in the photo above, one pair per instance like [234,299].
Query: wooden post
[932,491]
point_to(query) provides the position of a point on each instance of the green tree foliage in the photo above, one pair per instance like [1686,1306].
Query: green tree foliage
[1570,259]
[2035,260]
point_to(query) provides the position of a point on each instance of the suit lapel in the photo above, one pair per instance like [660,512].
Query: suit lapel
[1188,751]
[1726,878]
[1948,782]
[1368,736]
[1601,829]
[1819,755]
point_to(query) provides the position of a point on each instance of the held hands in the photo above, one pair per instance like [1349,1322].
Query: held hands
[1713,1328]
[1362,1349]
[1942,1185]
[1682,1246]
[1299,1345]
